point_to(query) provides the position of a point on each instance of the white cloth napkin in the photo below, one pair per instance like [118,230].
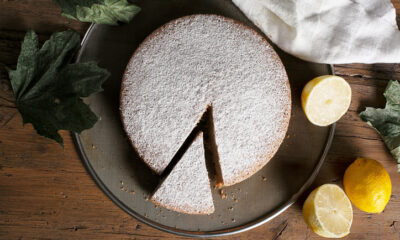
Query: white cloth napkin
[329,31]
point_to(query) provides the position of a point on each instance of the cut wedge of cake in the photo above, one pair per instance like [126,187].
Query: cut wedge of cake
[187,188]
[200,60]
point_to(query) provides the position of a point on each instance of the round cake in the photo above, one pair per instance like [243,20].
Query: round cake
[202,61]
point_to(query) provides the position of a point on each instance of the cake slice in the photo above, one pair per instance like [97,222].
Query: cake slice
[187,188]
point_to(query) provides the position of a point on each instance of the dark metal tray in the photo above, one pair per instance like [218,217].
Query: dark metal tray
[127,181]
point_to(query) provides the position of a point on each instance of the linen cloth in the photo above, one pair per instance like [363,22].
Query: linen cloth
[329,31]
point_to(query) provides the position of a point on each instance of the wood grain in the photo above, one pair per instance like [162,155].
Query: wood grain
[46,193]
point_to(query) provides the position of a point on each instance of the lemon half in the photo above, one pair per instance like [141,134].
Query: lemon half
[326,99]
[328,211]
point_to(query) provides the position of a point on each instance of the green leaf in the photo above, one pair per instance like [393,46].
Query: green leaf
[387,121]
[48,89]
[98,11]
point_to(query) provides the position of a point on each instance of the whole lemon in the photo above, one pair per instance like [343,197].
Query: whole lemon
[368,185]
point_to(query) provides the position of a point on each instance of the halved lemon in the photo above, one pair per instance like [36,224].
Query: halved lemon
[326,99]
[328,211]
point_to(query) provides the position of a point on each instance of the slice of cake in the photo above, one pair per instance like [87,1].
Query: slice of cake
[187,188]
[201,60]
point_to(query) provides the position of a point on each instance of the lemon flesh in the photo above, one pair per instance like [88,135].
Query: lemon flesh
[328,212]
[326,99]
[368,185]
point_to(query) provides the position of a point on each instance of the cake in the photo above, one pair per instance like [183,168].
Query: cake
[187,187]
[201,61]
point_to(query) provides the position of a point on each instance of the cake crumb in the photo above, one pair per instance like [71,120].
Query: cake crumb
[145,197]
[230,208]
[233,220]
[223,194]
[264,178]
[235,200]
[93,146]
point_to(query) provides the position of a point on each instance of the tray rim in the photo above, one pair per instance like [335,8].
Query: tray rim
[200,234]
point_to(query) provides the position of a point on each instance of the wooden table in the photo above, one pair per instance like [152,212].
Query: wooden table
[46,193]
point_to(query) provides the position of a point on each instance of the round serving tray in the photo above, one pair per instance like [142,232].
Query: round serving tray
[127,181]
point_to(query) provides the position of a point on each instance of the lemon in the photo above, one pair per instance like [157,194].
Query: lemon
[368,185]
[328,211]
[326,99]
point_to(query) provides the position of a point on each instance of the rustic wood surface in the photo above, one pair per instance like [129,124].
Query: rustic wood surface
[46,193]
